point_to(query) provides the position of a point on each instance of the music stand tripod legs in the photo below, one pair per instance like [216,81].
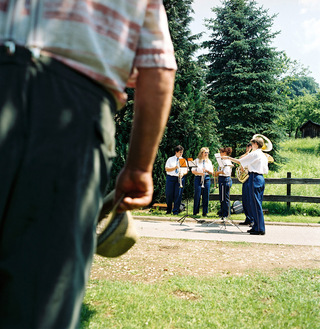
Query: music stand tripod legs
[227,219]
[182,219]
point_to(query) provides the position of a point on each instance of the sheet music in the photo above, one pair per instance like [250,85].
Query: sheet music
[182,162]
[221,162]
[191,163]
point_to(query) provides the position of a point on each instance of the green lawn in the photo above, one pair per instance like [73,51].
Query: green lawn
[277,299]
[287,299]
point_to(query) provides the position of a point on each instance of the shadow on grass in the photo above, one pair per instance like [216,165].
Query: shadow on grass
[87,312]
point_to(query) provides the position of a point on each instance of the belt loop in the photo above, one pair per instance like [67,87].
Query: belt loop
[36,52]
[10,47]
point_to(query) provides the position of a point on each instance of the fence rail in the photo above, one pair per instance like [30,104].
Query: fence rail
[280,198]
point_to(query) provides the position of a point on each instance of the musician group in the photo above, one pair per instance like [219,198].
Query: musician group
[254,162]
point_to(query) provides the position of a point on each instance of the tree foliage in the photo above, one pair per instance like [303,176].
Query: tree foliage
[300,110]
[244,71]
[192,122]
[302,97]
[296,79]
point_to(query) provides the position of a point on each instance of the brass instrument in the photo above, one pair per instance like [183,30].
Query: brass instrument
[243,173]
[182,164]
[215,179]
[202,181]
[270,158]
[267,145]
[180,178]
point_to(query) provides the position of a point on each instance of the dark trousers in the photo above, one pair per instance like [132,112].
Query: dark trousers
[225,184]
[246,200]
[256,185]
[198,191]
[56,144]
[174,194]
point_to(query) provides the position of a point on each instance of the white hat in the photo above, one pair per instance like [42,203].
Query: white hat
[116,233]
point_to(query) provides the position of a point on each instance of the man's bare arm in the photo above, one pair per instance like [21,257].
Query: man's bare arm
[152,105]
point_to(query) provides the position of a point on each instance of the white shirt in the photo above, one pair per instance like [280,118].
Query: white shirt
[172,162]
[227,170]
[208,166]
[255,161]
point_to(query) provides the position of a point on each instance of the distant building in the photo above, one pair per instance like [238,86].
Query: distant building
[310,129]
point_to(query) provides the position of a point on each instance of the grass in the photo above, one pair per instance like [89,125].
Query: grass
[278,299]
[286,299]
[301,157]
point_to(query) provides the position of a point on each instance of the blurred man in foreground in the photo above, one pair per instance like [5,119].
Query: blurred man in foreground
[64,66]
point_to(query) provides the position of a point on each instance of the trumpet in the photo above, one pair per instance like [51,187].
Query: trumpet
[215,178]
[180,175]
[182,163]
[202,181]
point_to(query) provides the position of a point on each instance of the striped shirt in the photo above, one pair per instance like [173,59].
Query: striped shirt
[103,39]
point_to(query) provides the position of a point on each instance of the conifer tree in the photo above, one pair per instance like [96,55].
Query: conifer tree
[244,72]
[192,122]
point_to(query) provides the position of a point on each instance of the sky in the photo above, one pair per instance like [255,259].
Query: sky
[297,20]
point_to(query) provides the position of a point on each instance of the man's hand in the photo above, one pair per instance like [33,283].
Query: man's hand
[152,105]
[137,188]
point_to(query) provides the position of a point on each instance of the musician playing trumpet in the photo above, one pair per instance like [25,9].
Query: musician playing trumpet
[202,181]
[257,164]
[175,181]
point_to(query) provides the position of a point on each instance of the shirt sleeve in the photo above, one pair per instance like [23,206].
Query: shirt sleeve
[167,165]
[247,159]
[155,48]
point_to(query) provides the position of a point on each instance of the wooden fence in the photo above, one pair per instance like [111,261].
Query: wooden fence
[288,198]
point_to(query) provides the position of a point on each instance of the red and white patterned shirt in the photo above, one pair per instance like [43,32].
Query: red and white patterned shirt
[103,39]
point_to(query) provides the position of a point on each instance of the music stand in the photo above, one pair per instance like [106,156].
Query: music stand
[228,219]
[189,164]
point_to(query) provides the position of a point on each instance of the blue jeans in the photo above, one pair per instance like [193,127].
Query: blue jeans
[246,200]
[256,185]
[225,184]
[198,191]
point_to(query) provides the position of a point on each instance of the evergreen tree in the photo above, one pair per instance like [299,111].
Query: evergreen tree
[243,72]
[192,121]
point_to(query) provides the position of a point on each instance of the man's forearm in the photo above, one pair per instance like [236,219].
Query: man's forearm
[152,106]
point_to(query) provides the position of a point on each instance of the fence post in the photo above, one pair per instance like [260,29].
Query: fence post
[288,189]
